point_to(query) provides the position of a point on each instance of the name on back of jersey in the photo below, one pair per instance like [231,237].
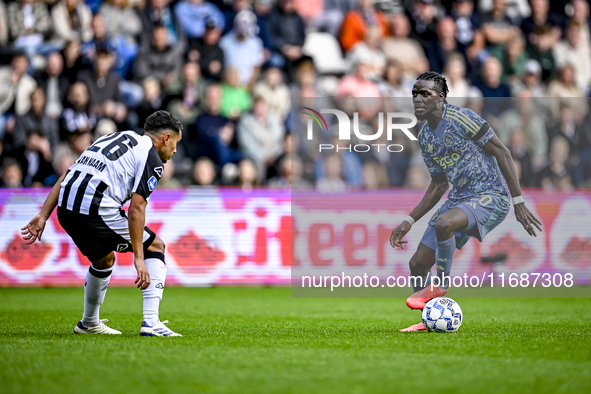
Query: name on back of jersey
[92,162]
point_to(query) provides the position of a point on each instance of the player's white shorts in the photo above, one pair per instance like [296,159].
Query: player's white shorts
[98,235]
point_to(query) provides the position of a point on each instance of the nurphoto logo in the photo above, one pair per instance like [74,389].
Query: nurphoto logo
[344,130]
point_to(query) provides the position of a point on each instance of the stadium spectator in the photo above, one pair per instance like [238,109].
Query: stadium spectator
[159,59]
[153,100]
[16,87]
[404,50]
[12,174]
[77,116]
[4,30]
[213,134]
[574,51]
[71,21]
[565,87]
[333,181]
[247,175]
[455,73]
[29,24]
[208,53]
[525,116]
[498,28]
[159,13]
[290,174]
[103,88]
[34,158]
[55,84]
[331,18]
[63,159]
[243,50]
[193,15]
[275,92]
[358,20]
[518,145]
[445,45]
[235,97]
[168,180]
[288,31]
[395,88]
[543,30]
[274,168]
[122,31]
[358,84]
[513,59]
[490,84]
[350,164]
[516,10]
[531,80]
[423,15]
[567,127]
[369,51]
[469,34]
[187,94]
[581,16]
[36,120]
[99,40]
[73,61]
[123,20]
[558,174]
[374,176]
[204,173]
[260,136]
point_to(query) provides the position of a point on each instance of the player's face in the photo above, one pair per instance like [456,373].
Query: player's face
[425,98]
[168,149]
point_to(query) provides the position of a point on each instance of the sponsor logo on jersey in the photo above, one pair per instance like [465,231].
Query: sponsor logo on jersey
[122,247]
[160,286]
[158,170]
[152,183]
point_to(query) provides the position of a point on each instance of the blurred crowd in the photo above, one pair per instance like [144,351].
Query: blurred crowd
[237,72]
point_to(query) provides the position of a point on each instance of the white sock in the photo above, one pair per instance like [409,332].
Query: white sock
[153,294]
[95,288]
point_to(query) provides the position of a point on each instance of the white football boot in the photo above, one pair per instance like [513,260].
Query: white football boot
[102,328]
[158,330]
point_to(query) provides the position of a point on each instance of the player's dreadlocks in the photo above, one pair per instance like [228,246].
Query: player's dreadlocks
[440,82]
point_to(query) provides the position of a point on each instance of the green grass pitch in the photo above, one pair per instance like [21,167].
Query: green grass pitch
[261,340]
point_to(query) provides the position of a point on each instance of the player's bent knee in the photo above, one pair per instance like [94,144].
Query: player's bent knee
[444,226]
[105,263]
[157,246]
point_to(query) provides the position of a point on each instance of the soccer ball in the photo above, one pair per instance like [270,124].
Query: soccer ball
[442,315]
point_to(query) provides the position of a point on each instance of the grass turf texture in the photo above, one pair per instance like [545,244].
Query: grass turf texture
[261,340]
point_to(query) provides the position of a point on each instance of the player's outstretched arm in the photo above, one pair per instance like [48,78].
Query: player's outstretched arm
[435,191]
[496,148]
[34,229]
[137,220]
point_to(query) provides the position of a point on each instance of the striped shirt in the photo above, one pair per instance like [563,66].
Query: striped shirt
[108,173]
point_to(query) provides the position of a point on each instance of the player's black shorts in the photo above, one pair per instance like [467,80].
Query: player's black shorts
[98,235]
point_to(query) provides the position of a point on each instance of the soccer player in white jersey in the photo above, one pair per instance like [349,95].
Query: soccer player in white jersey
[117,168]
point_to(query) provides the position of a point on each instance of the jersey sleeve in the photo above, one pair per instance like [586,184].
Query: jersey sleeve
[472,127]
[149,175]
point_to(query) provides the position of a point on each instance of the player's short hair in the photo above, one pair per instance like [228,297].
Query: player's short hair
[161,121]
[440,82]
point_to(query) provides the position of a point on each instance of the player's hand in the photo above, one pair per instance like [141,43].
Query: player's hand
[527,219]
[34,230]
[398,233]
[143,277]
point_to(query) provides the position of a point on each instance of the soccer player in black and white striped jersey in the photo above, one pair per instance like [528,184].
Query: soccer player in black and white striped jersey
[117,168]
